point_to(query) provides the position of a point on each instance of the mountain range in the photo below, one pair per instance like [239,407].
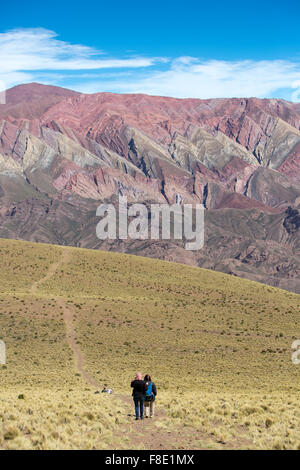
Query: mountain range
[62,152]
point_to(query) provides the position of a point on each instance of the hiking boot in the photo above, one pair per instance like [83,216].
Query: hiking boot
[136,418]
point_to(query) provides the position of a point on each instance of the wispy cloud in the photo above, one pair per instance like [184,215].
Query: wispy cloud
[39,55]
[24,53]
[191,77]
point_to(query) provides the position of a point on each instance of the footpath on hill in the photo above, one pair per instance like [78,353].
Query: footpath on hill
[147,434]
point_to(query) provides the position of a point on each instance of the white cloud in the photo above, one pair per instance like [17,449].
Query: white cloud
[24,52]
[38,55]
[190,77]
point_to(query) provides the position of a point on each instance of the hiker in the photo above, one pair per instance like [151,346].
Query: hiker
[138,393]
[150,395]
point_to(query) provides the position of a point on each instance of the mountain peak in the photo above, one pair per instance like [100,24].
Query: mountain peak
[31,100]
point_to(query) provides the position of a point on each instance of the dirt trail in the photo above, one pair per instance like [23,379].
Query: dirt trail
[51,271]
[79,362]
[68,318]
[144,433]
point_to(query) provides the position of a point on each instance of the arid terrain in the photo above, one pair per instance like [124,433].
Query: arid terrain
[75,320]
[62,153]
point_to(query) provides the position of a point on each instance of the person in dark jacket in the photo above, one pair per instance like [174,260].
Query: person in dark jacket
[151,393]
[138,393]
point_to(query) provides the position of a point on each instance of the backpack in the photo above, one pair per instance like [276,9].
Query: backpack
[149,393]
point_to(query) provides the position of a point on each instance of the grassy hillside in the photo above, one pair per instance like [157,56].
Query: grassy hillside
[73,320]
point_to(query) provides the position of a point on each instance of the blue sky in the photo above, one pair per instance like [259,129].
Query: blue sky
[185,49]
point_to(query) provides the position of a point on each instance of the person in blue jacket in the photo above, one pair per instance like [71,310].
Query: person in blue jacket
[151,392]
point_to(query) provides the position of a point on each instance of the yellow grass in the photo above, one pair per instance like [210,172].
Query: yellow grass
[218,347]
